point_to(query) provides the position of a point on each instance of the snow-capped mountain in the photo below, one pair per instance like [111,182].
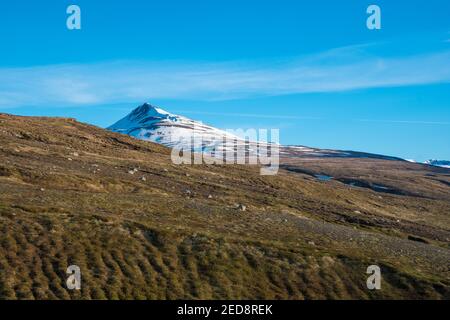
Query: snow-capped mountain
[152,123]
[438,163]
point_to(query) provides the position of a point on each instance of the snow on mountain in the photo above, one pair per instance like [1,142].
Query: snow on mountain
[439,163]
[152,123]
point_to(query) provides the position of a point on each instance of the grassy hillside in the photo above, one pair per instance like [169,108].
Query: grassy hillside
[142,228]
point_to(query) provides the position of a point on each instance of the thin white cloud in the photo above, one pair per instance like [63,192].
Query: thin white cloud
[292,117]
[339,69]
[444,123]
[247,115]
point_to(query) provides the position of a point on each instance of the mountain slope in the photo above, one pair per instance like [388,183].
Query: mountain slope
[439,163]
[151,123]
[140,227]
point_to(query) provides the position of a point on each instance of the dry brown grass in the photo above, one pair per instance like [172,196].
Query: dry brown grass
[134,239]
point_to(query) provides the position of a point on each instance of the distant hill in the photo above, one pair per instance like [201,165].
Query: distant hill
[439,163]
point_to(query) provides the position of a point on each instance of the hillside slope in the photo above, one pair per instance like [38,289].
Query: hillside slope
[140,227]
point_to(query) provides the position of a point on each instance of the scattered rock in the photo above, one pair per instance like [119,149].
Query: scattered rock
[311,243]
[328,260]
[165,170]
[70,159]
[357,212]
[188,175]
[210,196]
[133,171]
[137,233]
[75,154]
[42,189]
[241,207]
[144,178]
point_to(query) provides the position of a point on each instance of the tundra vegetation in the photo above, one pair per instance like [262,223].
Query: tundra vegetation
[140,227]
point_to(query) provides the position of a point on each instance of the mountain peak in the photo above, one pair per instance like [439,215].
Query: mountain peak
[148,110]
[148,122]
[151,123]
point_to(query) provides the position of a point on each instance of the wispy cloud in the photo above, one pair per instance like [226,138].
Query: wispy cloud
[444,123]
[293,117]
[248,115]
[339,69]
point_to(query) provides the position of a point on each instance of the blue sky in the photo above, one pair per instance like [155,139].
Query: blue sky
[310,68]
